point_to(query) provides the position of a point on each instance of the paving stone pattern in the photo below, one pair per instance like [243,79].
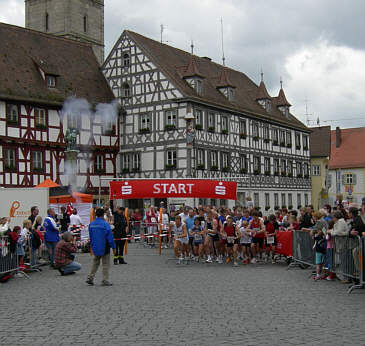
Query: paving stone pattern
[155,302]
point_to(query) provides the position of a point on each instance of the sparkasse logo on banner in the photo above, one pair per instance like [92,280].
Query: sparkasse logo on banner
[172,188]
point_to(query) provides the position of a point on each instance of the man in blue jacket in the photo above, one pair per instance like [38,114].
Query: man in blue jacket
[101,240]
[52,236]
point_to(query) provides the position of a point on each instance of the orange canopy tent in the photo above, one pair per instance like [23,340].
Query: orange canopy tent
[75,197]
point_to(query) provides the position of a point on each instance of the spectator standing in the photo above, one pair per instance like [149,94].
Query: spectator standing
[65,255]
[137,218]
[119,232]
[34,211]
[101,240]
[64,220]
[75,219]
[52,234]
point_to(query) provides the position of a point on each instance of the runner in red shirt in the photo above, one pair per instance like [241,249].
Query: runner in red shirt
[232,235]
[272,227]
[258,235]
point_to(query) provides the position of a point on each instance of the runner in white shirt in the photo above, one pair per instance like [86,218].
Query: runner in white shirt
[165,226]
[181,238]
[75,219]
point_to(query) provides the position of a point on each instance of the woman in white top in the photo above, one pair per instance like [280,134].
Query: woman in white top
[75,219]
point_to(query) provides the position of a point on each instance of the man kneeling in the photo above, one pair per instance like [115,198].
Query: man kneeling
[65,255]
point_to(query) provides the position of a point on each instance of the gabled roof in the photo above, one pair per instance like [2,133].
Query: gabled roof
[224,81]
[281,99]
[262,93]
[24,51]
[192,69]
[168,59]
[350,153]
[320,141]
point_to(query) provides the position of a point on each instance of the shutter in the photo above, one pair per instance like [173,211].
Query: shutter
[343,179]
[353,179]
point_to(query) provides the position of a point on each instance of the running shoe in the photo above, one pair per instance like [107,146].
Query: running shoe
[245,261]
[235,264]
[254,260]
[220,261]
[228,259]
[209,260]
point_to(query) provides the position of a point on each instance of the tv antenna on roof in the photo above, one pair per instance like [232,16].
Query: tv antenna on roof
[162,28]
[223,57]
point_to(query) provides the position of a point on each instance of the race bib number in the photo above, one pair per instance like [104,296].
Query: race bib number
[153,219]
[270,239]
[230,240]
[197,236]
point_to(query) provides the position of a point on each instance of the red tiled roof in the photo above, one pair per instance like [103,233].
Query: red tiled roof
[320,141]
[350,153]
[168,59]
[24,51]
[262,92]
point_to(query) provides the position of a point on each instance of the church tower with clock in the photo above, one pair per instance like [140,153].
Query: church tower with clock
[81,20]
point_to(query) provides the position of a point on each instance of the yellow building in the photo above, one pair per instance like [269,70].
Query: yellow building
[320,150]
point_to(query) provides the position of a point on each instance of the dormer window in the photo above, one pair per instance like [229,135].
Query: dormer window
[12,114]
[199,86]
[230,94]
[50,81]
[268,105]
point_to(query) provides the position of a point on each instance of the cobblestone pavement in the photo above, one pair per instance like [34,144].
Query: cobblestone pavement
[155,302]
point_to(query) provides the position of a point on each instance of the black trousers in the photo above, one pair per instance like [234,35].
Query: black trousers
[119,248]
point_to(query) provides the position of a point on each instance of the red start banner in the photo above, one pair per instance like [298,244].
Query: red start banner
[172,188]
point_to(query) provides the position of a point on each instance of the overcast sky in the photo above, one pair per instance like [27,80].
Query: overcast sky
[317,47]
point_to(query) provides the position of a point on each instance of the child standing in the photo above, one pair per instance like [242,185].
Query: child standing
[320,252]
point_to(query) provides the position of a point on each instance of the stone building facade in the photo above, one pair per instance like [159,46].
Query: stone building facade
[81,20]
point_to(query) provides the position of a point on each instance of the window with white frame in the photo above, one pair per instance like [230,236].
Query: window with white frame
[171,117]
[297,140]
[211,121]
[275,136]
[282,138]
[256,164]
[12,115]
[126,90]
[306,200]
[276,199]
[267,200]
[243,163]
[39,117]
[50,81]
[288,139]
[99,163]
[316,170]
[136,162]
[349,179]
[201,158]
[126,162]
[37,160]
[243,127]
[256,200]
[290,200]
[171,158]
[299,200]
[305,142]
[108,127]
[225,160]
[266,133]
[145,122]
[9,158]
[199,86]
[255,130]
[276,166]
[224,123]
[299,169]
[283,200]
[306,169]
[267,165]
[290,168]
[199,118]
[126,60]
[283,166]
[214,159]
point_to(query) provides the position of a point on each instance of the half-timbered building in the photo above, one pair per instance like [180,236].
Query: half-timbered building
[37,73]
[241,132]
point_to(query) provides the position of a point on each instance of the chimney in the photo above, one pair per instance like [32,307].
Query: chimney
[338,137]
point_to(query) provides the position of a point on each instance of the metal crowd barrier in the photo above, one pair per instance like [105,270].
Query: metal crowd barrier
[303,253]
[9,260]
